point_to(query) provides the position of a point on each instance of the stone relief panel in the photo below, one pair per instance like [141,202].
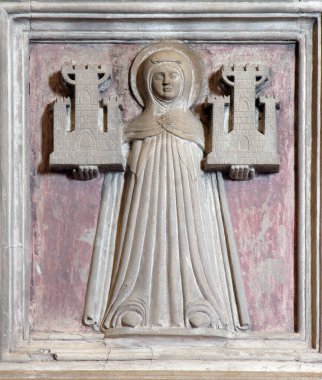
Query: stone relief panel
[65,211]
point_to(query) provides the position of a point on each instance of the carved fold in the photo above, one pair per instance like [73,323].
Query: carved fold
[170,254]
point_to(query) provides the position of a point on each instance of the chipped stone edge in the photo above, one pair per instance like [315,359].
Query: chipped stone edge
[24,22]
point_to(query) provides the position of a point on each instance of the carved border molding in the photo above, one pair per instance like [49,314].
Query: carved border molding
[23,23]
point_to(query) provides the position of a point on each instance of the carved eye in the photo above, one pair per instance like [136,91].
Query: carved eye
[174,76]
[157,76]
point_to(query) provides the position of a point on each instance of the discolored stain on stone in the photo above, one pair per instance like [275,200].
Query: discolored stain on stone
[65,211]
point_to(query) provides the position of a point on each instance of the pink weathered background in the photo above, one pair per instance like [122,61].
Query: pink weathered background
[64,211]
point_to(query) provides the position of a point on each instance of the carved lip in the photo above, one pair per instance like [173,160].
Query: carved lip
[167,89]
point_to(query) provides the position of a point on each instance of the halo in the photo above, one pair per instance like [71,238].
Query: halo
[181,49]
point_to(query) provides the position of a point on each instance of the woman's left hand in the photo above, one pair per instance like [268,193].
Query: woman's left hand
[85,173]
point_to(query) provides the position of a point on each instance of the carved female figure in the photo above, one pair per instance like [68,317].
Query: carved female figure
[175,264]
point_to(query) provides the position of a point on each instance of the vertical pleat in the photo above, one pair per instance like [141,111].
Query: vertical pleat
[134,227]
[198,251]
[159,310]
[143,283]
[103,254]
[186,235]
[171,256]
[176,243]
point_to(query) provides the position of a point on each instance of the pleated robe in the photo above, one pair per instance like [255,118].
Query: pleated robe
[172,258]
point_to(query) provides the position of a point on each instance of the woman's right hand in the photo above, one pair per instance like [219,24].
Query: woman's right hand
[85,173]
[241,172]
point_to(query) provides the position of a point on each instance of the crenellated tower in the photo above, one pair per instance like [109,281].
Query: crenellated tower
[245,143]
[91,134]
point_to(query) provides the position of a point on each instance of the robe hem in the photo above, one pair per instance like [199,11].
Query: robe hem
[173,331]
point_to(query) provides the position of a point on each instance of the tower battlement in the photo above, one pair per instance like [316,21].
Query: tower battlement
[244,143]
[90,142]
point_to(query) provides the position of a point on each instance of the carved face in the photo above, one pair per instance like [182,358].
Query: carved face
[166,82]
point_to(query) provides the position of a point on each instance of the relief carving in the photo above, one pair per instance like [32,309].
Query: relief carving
[86,140]
[165,259]
[245,143]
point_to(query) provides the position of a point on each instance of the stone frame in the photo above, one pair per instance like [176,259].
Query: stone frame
[69,356]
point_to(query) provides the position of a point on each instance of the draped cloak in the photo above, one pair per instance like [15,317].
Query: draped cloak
[164,254]
[175,255]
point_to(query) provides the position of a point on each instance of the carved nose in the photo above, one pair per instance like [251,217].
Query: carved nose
[166,80]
